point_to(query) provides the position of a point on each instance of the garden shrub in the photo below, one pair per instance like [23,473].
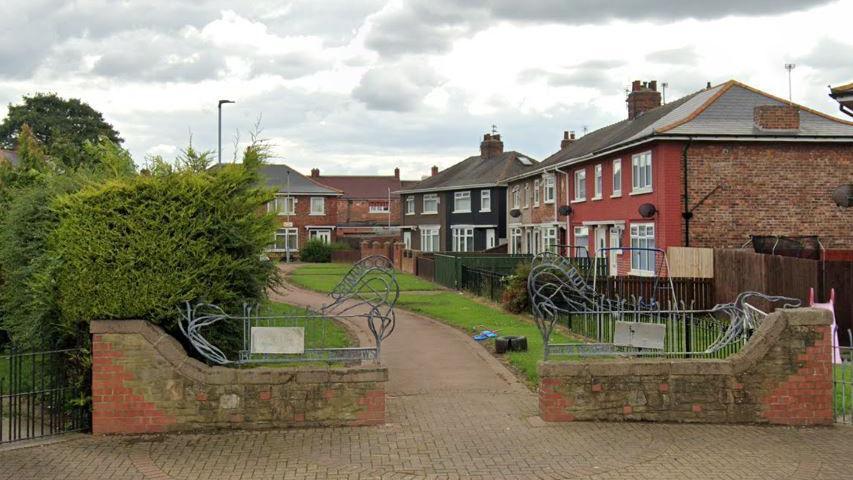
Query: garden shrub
[515,298]
[139,247]
[316,251]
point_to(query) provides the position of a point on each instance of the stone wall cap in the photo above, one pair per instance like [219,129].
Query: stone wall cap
[808,316]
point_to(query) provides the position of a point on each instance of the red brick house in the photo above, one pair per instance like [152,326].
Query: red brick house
[707,170]
[305,208]
[368,204]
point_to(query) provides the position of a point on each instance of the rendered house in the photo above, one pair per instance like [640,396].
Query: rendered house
[707,170]
[305,208]
[463,208]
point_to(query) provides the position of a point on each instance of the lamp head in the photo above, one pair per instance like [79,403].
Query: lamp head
[225,101]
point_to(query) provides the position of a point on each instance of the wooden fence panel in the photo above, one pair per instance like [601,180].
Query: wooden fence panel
[687,262]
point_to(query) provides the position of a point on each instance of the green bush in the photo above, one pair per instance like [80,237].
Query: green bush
[139,247]
[316,251]
[515,298]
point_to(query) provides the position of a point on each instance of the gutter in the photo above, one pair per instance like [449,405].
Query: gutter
[449,188]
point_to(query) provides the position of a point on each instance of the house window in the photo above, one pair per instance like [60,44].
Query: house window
[462,202]
[378,207]
[617,177]
[282,206]
[581,242]
[643,237]
[318,206]
[429,239]
[536,193]
[526,194]
[549,238]
[641,173]
[550,192]
[324,236]
[485,200]
[463,239]
[410,205]
[515,243]
[580,185]
[286,239]
[599,181]
[516,197]
[430,203]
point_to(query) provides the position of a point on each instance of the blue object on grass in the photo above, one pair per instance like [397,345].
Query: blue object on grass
[485,334]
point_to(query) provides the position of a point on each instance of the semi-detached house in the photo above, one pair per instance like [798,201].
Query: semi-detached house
[707,170]
[462,208]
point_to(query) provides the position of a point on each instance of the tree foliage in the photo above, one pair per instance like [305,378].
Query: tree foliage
[61,126]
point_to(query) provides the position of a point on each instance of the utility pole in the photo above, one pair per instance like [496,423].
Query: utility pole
[219,107]
[789,67]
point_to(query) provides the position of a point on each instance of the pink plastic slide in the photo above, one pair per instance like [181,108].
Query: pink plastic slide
[836,356]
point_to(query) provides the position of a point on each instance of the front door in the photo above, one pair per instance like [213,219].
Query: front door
[615,243]
[490,238]
[407,239]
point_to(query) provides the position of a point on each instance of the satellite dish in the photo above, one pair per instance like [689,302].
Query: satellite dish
[565,210]
[647,210]
[843,196]
[515,213]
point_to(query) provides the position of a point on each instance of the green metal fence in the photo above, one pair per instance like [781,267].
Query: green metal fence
[448,265]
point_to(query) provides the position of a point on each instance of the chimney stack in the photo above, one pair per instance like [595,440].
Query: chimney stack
[643,97]
[568,139]
[491,146]
[434,170]
[397,173]
[776,117]
[315,172]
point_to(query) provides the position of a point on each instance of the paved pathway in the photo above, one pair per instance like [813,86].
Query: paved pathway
[454,412]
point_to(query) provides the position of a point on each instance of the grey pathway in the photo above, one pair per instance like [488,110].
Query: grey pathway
[454,412]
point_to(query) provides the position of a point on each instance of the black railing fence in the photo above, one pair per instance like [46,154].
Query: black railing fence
[484,283]
[43,393]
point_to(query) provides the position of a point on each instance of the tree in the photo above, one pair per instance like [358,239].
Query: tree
[61,126]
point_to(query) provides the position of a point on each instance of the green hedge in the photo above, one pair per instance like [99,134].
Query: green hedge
[139,247]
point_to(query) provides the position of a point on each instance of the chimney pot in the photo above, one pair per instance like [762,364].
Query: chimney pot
[653,85]
[568,138]
[635,85]
[397,173]
[708,85]
[434,170]
[315,172]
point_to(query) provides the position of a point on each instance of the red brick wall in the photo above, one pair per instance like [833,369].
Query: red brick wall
[350,210]
[768,189]
[303,217]
[776,117]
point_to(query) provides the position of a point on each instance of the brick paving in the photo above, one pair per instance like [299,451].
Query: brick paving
[454,412]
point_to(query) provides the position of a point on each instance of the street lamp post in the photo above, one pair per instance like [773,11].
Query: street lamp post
[219,150]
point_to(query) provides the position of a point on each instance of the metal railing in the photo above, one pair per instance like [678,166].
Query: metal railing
[40,394]
[484,283]
[842,381]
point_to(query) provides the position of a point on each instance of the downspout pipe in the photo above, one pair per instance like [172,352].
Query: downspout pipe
[686,214]
[566,198]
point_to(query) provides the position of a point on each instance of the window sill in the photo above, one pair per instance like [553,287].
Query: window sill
[410,214]
[428,213]
[641,273]
[616,195]
[548,202]
[485,211]
[578,200]
[316,214]
[595,199]
[640,192]
[461,211]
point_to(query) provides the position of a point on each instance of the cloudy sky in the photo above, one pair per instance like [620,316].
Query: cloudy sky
[362,86]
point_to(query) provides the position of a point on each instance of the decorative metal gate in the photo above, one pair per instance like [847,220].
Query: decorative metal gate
[43,393]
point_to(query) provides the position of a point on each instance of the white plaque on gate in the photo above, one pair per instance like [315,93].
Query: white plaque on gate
[278,340]
[639,335]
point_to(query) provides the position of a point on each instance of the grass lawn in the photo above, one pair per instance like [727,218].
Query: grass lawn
[471,316]
[843,388]
[322,277]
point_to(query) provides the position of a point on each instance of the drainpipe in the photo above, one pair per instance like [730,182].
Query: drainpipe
[686,214]
[566,198]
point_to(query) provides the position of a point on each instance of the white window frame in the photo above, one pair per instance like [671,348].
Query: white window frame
[584,233]
[550,194]
[378,206]
[643,263]
[516,197]
[430,197]
[461,196]
[286,233]
[322,209]
[410,205]
[536,193]
[430,239]
[641,173]
[463,239]
[280,203]
[598,184]
[580,185]
[549,239]
[323,234]
[515,236]
[526,198]
[485,200]
[616,178]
